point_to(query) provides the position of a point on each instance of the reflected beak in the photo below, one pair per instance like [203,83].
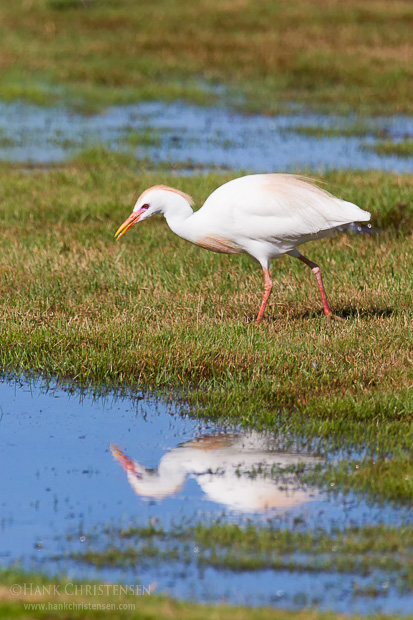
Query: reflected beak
[132,219]
[125,461]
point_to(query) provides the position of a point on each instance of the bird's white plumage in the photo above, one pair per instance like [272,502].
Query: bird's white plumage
[267,215]
[263,215]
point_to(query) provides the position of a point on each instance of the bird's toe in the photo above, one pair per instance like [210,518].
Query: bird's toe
[334,317]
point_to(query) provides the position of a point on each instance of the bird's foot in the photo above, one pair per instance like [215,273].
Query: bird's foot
[334,317]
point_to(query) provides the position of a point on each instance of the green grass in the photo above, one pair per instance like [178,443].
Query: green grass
[151,607]
[315,52]
[155,312]
[401,149]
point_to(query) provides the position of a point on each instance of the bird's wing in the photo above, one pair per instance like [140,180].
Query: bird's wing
[280,205]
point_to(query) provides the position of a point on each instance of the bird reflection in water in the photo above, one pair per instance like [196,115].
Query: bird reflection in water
[231,469]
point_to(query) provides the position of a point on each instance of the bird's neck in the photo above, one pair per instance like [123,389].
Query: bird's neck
[180,220]
[167,480]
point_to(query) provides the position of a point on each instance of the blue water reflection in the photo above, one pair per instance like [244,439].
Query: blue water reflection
[207,137]
[60,476]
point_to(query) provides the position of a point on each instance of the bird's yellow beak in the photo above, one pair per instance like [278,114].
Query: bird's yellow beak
[132,219]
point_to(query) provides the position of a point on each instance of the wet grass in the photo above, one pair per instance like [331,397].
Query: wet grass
[381,477]
[403,148]
[147,137]
[358,130]
[154,312]
[148,607]
[21,139]
[5,141]
[231,547]
[314,52]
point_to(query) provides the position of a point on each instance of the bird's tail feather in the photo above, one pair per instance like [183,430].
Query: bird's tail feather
[353,211]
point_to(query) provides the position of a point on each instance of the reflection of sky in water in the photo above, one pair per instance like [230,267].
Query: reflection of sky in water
[59,476]
[203,136]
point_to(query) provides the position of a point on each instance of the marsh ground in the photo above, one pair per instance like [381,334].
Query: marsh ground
[154,313]
[352,56]
[80,607]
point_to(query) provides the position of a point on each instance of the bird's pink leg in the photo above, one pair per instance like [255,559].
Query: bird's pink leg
[317,272]
[267,293]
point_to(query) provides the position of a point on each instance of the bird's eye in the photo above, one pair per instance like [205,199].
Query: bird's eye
[145,207]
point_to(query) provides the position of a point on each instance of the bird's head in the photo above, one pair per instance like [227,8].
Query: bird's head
[149,482]
[154,200]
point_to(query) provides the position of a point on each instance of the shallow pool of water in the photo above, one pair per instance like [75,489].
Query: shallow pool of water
[206,137]
[72,464]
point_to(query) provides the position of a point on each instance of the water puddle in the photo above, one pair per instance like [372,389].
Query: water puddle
[78,471]
[189,136]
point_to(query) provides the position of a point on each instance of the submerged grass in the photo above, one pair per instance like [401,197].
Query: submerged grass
[359,130]
[156,312]
[404,148]
[136,138]
[316,52]
[233,547]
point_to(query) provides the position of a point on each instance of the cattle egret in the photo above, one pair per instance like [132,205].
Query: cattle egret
[221,465]
[263,215]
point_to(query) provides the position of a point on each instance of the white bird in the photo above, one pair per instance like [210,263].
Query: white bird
[222,465]
[263,215]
